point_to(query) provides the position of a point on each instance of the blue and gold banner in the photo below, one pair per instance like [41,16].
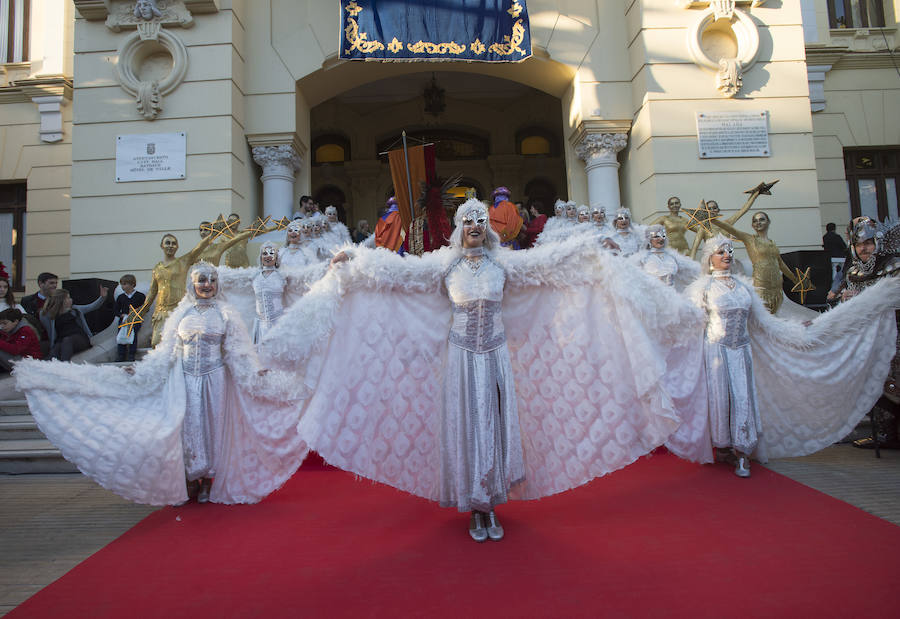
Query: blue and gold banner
[481,30]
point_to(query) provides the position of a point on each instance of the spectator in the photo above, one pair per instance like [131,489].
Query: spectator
[17,339]
[833,243]
[124,302]
[47,284]
[65,325]
[362,231]
[7,300]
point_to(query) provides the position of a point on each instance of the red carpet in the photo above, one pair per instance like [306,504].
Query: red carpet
[661,538]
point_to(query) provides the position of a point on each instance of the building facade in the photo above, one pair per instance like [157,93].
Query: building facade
[605,111]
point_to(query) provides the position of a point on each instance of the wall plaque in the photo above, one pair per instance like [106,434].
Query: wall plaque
[733,134]
[150,157]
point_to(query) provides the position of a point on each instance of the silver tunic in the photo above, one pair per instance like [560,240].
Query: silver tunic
[268,288]
[481,445]
[733,416]
[201,334]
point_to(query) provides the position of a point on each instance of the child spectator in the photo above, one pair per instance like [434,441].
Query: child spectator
[124,302]
[17,339]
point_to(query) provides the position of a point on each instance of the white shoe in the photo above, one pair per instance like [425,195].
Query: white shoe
[476,527]
[494,529]
[742,468]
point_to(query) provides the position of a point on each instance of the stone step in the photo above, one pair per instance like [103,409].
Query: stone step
[32,456]
[13,407]
[14,427]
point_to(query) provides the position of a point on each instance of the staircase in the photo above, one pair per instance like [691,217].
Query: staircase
[23,449]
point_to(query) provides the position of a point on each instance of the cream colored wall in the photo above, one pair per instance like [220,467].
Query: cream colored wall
[117,227]
[668,90]
[44,167]
[862,96]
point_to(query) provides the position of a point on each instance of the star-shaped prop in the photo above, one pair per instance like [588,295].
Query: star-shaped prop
[136,320]
[223,228]
[803,284]
[700,218]
[259,226]
[763,189]
[282,223]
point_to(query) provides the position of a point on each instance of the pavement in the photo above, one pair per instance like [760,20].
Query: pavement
[50,523]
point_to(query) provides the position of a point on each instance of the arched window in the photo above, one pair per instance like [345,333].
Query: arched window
[330,149]
[536,142]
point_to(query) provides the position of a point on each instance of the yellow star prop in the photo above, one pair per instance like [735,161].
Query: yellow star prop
[259,226]
[131,322]
[282,223]
[803,284]
[700,218]
[208,227]
[223,228]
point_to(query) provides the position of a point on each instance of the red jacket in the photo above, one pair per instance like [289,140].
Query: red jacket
[23,342]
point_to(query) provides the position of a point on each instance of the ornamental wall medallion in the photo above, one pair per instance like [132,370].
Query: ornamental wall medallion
[152,60]
[724,39]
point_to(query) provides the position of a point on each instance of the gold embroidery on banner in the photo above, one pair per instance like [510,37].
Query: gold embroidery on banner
[359,40]
[355,38]
[436,48]
[511,45]
[395,46]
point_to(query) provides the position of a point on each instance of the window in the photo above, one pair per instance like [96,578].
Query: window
[330,149]
[536,141]
[856,13]
[12,231]
[14,18]
[872,179]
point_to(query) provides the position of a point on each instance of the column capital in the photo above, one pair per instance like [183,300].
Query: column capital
[599,147]
[276,157]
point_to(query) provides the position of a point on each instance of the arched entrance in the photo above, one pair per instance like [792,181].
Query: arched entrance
[490,130]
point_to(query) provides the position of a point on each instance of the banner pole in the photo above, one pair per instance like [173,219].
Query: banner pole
[412,213]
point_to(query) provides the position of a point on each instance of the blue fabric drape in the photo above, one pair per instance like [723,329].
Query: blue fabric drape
[480,30]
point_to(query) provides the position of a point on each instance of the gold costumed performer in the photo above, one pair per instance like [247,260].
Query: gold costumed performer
[676,227]
[766,259]
[167,285]
[704,233]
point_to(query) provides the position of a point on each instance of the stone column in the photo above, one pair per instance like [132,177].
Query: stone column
[280,164]
[598,151]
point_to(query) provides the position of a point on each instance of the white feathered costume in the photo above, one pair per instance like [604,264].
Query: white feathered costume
[582,367]
[784,390]
[126,431]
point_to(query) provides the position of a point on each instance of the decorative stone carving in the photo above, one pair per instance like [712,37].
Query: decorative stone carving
[280,163]
[132,14]
[695,4]
[281,158]
[150,68]
[601,146]
[724,39]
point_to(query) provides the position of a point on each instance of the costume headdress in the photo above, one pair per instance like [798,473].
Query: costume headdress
[474,210]
[198,271]
[657,231]
[269,248]
[712,246]
[559,208]
[500,191]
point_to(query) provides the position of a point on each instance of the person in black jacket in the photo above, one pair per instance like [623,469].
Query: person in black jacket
[124,302]
[65,325]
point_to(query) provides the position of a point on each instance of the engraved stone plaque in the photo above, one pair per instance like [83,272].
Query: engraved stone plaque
[150,157]
[733,134]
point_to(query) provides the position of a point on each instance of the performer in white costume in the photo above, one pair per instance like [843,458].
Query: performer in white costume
[670,267]
[626,236]
[554,224]
[472,417]
[268,288]
[294,253]
[338,234]
[775,388]
[198,407]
